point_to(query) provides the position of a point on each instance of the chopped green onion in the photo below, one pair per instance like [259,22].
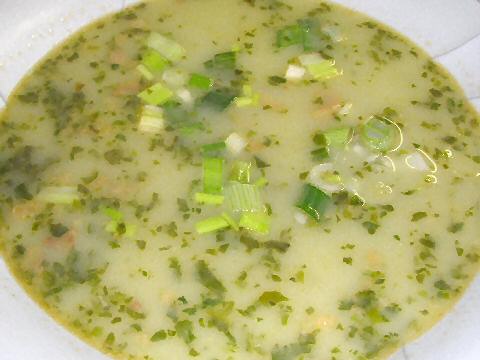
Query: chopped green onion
[142,69]
[339,137]
[215,148]
[200,81]
[113,214]
[212,224]
[229,219]
[209,199]
[320,154]
[241,172]
[151,120]
[243,197]
[290,35]
[235,143]
[222,61]
[165,46]
[62,195]
[249,98]
[313,202]
[219,99]
[305,32]
[381,134]
[212,175]
[258,222]
[318,67]
[156,94]
[154,61]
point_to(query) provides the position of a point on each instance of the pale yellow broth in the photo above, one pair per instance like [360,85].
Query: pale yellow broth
[393,252]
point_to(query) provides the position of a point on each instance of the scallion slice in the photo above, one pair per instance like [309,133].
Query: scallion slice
[320,154]
[156,94]
[290,35]
[62,195]
[241,172]
[151,119]
[213,149]
[212,175]
[381,134]
[257,221]
[165,46]
[142,69]
[318,67]
[209,199]
[314,202]
[154,61]
[212,224]
[248,98]
[222,61]
[339,137]
[243,197]
[219,99]
[231,221]
[200,81]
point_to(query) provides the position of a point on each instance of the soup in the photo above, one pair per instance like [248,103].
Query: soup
[248,179]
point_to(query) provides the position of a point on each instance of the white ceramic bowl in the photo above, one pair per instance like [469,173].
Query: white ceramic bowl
[448,29]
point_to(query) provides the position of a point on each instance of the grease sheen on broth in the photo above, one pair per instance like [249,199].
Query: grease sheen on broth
[99,219]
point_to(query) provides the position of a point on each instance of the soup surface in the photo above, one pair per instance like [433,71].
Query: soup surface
[234,179]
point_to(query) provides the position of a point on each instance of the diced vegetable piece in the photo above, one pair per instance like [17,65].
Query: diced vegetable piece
[295,73]
[219,99]
[231,221]
[151,120]
[248,98]
[243,197]
[214,148]
[313,36]
[306,33]
[320,154]
[323,177]
[222,61]
[156,94]
[165,46]
[318,67]
[314,202]
[200,81]
[212,224]
[235,143]
[209,199]
[154,61]
[290,35]
[256,221]
[381,134]
[62,195]
[212,175]
[241,172]
[339,137]
[142,69]
[419,160]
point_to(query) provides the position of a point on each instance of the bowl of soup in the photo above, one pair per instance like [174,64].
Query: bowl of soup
[252,179]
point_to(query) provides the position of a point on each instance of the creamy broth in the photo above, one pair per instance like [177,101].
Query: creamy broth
[241,180]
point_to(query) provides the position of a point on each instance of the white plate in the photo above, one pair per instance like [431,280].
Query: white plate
[449,30]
